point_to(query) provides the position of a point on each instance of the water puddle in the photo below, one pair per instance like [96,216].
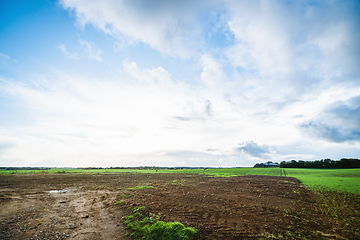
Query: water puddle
[57,191]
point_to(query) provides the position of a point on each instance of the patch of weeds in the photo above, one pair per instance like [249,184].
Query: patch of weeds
[296,191]
[140,187]
[267,235]
[333,214]
[119,202]
[290,234]
[123,195]
[63,171]
[38,224]
[341,209]
[143,225]
[101,187]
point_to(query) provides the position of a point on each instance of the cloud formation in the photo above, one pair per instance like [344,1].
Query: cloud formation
[168,26]
[63,49]
[254,149]
[331,133]
[212,73]
[92,51]
[339,122]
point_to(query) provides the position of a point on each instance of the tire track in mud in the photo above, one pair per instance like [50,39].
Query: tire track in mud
[71,215]
[97,222]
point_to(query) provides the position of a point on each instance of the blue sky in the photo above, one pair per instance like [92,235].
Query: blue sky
[178,83]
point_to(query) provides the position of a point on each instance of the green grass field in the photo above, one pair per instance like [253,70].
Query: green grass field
[334,179]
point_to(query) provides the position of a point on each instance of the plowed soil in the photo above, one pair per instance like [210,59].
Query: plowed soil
[242,207]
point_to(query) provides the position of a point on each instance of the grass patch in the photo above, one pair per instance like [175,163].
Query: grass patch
[140,187]
[143,225]
[119,202]
[101,187]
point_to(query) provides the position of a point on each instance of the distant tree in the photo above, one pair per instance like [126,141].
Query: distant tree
[323,163]
[283,164]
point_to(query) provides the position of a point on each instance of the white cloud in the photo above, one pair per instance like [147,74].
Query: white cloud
[285,51]
[171,27]
[5,60]
[3,56]
[264,42]
[212,73]
[151,76]
[63,49]
[149,118]
[87,119]
[92,51]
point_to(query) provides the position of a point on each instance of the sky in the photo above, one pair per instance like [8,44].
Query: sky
[178,83]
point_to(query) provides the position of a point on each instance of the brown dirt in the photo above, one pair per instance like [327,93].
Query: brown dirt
[244,207]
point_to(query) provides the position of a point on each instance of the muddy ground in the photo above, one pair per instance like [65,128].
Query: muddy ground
[243,207]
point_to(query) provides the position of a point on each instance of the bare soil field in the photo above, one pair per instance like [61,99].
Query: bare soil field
[88,206]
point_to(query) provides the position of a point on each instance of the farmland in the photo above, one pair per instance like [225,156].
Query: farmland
[242,203]
[347,180]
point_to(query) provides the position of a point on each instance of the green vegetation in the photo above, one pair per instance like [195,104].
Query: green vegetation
[338,211]
[119,202]
[341,180]
[143,225]
[38,224]
[140,187]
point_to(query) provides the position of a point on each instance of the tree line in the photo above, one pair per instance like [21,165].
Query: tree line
[323,163]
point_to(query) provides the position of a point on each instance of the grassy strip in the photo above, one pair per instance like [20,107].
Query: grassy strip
[119,202]
[148,226]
